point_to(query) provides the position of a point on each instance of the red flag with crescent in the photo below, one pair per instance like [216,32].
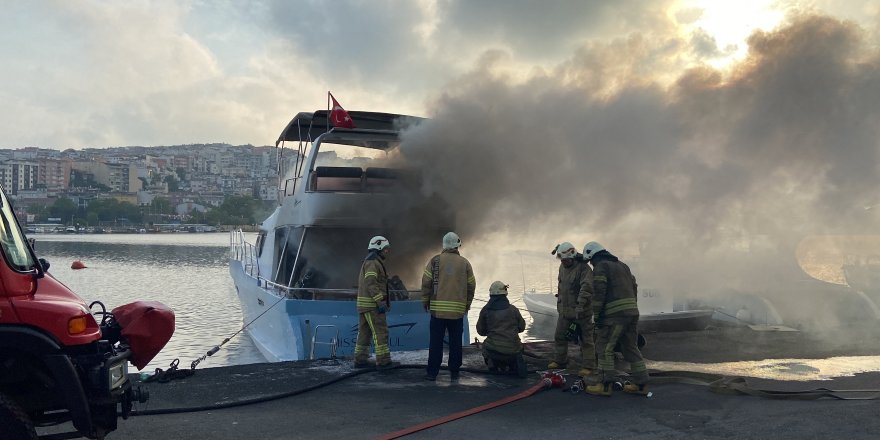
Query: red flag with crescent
[338,116]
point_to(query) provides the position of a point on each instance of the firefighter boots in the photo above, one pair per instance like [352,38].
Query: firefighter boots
[632,388]
[599,389]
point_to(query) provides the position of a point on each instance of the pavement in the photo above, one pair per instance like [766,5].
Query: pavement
[366,404]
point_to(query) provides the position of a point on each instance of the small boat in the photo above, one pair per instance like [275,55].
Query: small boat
[542,307]
[297,280]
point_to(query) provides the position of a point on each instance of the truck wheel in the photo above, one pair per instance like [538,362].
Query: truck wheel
[16,424]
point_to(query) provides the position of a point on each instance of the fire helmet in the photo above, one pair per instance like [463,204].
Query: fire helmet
[498,288]
[565,250]
[591,249]
[451,241]
[378,243]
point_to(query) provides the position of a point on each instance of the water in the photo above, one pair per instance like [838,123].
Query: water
[189,273]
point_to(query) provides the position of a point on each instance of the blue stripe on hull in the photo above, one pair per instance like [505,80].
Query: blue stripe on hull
[285,331]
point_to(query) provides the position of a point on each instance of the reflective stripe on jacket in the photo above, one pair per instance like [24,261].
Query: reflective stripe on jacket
[448,285]
[614,288]
[372,284]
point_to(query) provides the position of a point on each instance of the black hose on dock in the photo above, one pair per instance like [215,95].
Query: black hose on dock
[271,397]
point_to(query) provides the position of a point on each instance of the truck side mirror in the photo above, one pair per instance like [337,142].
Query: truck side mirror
[45,264]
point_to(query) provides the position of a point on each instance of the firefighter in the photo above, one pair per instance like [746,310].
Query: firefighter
[616,310]
[448,285]
[372,304]
[501,323]
[573,302]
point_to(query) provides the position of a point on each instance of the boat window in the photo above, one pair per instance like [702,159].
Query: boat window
[287,241]
[337,179]
[331,257]
[347,168]
[12,240]
[261,240]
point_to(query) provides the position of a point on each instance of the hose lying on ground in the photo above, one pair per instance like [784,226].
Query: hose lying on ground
[716,383]
[271,397]
[441,420]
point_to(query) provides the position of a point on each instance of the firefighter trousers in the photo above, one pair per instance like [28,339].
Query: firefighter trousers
[439,328]
[587,342]
[372,327]
[625,331]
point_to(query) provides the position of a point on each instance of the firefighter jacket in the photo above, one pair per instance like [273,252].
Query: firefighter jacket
[575,289]
[372,284]
[501,323]
[615,292]
[448,285]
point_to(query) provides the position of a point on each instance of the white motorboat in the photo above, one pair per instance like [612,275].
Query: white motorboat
[297,281]
[656,313]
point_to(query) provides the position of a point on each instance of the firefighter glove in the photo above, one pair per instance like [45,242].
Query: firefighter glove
[573,332]
[381,309]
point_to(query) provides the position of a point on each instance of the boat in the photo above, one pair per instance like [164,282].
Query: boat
[654,314]
[297,279]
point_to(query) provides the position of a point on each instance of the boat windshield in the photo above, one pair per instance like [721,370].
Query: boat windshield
[348,168]
[331,258]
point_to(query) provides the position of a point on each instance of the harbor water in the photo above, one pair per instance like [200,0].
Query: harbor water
[189,272]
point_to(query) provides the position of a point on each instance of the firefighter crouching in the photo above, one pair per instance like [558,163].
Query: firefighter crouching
[575,310]
[617,317]
[372,304]
[501,323]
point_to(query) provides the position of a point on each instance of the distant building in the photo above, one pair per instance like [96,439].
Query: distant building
[19,175]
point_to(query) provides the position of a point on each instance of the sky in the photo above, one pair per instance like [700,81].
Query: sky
[692,128]
[112,73]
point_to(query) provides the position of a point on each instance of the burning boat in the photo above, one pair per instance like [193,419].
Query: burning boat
[298,281]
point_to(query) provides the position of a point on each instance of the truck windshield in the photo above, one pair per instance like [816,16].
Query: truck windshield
[12,240]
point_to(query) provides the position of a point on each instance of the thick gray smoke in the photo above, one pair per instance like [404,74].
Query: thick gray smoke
[715,178]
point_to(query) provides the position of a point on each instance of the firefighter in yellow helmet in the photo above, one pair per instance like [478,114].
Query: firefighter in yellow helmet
[615,306]
[574,304]
[448,286]
[501,323]
[372,303]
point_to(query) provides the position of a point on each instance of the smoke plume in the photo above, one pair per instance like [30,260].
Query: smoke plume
[714,177]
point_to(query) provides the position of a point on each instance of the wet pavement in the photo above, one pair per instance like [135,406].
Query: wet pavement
[367,404]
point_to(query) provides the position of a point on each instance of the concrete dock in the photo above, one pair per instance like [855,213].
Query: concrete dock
[371,404]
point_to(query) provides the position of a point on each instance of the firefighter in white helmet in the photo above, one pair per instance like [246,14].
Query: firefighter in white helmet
[448,286]
[573,303]
[501,323]
[615,306]
[372,303]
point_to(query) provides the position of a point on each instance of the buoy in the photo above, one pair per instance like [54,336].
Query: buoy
[77,265]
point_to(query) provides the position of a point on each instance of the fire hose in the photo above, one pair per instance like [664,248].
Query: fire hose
[549,379]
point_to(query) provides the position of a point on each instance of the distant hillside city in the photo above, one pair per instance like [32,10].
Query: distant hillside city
[137,189]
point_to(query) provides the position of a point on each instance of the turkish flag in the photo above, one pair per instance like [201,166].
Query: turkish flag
[338,116]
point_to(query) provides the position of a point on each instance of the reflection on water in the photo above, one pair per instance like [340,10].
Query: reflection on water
[187,272]
[781,369]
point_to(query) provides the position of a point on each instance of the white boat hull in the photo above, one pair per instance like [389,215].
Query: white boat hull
[283,328]
[542,307]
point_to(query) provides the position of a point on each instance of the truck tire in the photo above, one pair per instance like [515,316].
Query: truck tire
[16,424]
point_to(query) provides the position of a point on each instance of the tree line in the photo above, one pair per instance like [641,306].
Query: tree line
[235,210]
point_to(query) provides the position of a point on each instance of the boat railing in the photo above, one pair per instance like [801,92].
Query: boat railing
[241,250]
[330,294]
[289,186]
